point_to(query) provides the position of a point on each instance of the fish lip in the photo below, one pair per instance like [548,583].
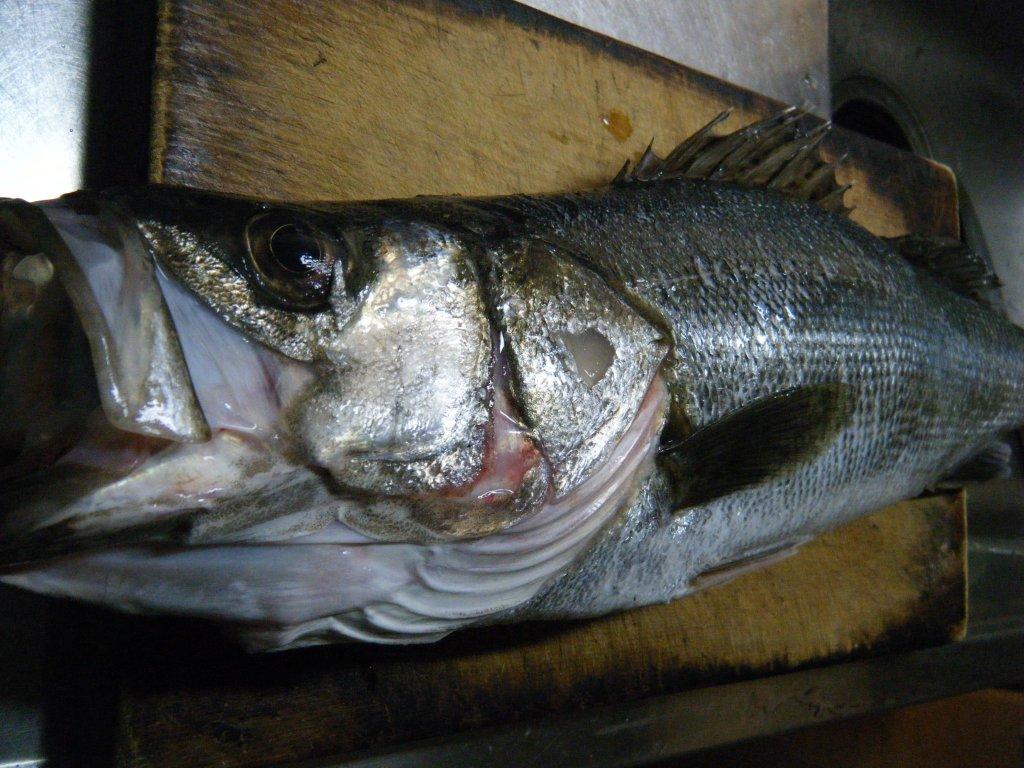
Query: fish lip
[145,382]
[28,232]
[142,378]
[43,521]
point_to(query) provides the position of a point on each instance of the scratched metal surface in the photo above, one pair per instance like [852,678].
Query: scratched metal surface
[43,74]
[74,105]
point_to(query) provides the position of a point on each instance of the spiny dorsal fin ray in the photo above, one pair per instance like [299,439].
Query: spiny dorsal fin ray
[949,261]
[776,152]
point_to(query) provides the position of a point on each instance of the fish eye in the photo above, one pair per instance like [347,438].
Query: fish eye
[292,259]
[296,251]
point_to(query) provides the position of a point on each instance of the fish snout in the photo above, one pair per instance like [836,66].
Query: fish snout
[128,409]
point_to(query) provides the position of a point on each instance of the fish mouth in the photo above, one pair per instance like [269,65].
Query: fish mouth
[127,407]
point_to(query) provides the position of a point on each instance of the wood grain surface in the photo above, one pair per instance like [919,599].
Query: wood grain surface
[891,581]
[361,99]
[355,99]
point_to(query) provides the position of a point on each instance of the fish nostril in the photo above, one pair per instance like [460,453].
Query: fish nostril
[591,352]
[23,283]
[34,269]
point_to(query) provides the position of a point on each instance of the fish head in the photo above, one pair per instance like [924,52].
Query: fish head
[196,368]
[386,312]
[272,414]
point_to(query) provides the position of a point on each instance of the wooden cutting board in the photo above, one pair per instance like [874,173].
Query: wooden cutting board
[355,98]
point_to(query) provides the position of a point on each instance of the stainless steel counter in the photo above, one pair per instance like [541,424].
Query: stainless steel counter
[43,74]
[775,47]
[74,81]
[44,69]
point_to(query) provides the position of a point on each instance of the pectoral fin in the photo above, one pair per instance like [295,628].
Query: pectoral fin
[767,438]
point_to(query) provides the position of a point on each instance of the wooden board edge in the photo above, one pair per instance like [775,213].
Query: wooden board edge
[167,30]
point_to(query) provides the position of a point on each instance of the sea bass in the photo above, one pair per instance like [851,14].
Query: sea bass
[389,420]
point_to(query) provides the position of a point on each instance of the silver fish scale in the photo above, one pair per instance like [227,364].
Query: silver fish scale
[763,293]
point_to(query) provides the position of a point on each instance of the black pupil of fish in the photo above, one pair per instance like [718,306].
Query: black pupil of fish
[296,251]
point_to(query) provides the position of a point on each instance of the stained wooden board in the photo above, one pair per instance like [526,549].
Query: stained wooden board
[353,99]
[359,99]
[887,582]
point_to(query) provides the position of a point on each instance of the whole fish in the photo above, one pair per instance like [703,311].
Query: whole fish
[389,420]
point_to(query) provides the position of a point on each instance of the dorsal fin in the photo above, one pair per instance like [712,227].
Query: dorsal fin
[777,153]
[949,261]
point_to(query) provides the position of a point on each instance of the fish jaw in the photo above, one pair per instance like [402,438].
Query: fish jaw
[338,584]
[381,404]
[177,415]
[142,376]
[253,456]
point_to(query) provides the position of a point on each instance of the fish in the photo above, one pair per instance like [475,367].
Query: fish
[389,420]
